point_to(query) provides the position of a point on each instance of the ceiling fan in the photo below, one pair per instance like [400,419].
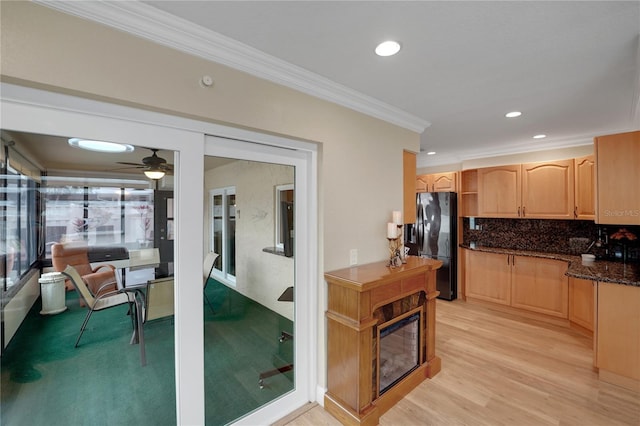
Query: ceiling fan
[154,167]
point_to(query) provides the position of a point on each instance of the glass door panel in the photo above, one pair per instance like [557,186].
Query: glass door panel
[104,212]
[249,323]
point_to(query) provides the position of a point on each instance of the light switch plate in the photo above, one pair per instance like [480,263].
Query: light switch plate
[353,257]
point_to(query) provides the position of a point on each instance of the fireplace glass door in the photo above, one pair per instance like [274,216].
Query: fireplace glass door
[399,349]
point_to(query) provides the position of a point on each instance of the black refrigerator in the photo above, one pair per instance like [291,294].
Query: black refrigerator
[435,235]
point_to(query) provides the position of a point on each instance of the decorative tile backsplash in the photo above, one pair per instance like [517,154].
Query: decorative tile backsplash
[552,236]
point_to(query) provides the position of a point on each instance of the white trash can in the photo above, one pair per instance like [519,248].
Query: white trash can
[53,293]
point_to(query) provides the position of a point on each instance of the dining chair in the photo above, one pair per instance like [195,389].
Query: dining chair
[99,279]
[104,300]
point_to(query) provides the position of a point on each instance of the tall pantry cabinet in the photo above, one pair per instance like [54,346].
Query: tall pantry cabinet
[618,174]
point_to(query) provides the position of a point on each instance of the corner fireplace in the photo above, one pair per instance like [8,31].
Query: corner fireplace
[399,344]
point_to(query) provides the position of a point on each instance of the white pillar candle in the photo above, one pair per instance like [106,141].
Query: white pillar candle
[397,217]
[392,230]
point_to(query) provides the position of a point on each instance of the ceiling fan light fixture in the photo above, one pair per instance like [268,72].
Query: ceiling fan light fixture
[388,48]
[154,174]
[100,146]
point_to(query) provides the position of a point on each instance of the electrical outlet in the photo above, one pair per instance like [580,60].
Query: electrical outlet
[353,257]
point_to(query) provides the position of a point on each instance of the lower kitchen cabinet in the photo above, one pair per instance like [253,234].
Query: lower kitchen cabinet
[488,276]
[581,302]
[523,282]
[540,285]
[618,334]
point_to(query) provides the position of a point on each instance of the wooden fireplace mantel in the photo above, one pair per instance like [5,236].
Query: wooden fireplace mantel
[357,299]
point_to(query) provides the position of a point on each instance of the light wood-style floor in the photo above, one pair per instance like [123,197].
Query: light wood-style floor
[500,369]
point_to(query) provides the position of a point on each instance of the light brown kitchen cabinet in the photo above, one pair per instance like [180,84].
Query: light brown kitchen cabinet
[468,204]
[618,334]
[535,190]
[540,285]
[422,183]
[408,183]
[499,191]
[437,182]
[618,174]
[488,276]
[523,282]
[581,302]
[547,190]
[585,179]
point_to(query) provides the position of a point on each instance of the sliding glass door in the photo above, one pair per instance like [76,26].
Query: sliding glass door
[250,342]
[173,392]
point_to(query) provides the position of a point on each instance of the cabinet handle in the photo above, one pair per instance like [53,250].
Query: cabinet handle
[523,211]
[518,211]
[575,212]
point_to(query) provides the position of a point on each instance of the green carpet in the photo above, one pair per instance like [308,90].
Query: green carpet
[46,381]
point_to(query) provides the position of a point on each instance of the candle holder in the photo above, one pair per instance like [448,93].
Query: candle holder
[394,253]
[397,254]
[396,249]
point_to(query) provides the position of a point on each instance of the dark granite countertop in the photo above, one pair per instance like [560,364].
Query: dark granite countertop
[599,270]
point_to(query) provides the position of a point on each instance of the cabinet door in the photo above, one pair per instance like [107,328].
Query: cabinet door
[618,324]
[443,182]
[581,303]
[585,188]
[539,285]
[488,276]
[422,183]
[618,174]
[436,182]
[547,190]
[499,191]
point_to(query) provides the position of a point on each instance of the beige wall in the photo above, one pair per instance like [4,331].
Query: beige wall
[360,158]
[361,170]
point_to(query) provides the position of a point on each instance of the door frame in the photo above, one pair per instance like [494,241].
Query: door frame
[38,111]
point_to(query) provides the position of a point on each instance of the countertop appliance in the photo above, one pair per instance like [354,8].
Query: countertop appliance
[435,235]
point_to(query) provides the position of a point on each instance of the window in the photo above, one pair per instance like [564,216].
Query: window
[284,219]
[223,232]
[18,246]
[98,215]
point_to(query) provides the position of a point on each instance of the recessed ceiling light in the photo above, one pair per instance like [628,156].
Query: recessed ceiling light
[513,114]
[100,146]
[541,136]
[431,153]
[388,48]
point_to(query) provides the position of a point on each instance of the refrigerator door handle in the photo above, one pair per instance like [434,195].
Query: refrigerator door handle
[419,224]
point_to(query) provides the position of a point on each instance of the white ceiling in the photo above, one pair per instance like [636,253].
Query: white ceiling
[572,68]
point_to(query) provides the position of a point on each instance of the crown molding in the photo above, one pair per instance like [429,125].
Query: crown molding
[424,160]
[158,26]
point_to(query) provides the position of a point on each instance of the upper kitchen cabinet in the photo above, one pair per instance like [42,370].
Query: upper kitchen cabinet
[437,182]
[585,200]
[618,175]
[535,191]
[547,190]
[422,183]
[468,201]
[499,191]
